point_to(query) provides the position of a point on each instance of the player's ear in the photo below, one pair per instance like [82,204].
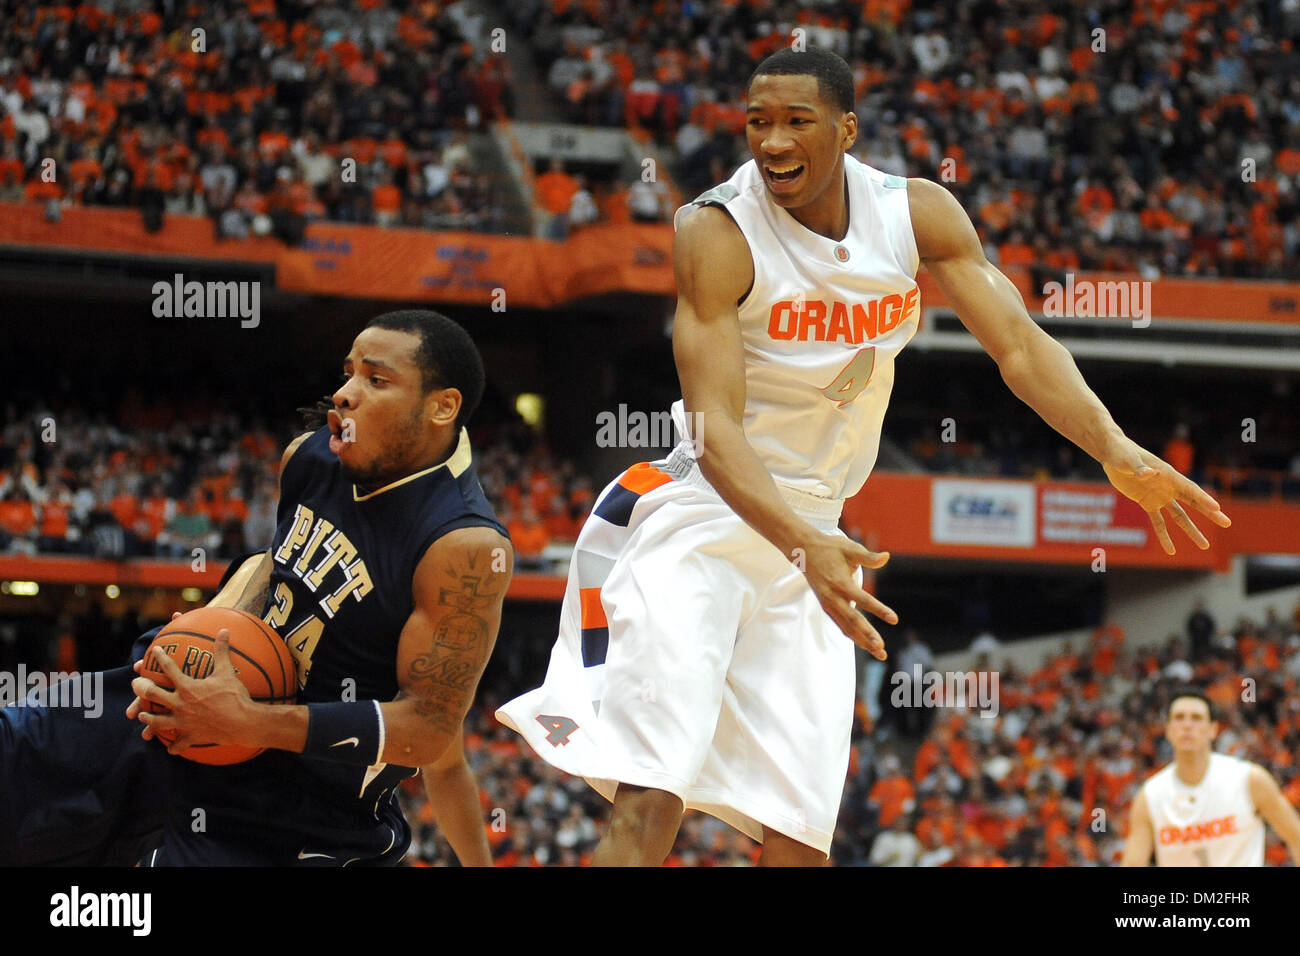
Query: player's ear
[850,134]
[442,405]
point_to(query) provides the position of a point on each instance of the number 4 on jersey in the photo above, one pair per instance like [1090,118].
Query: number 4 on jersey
[853,378]
[558,729]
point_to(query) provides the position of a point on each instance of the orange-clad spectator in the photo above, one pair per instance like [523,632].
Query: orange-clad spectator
[123,507]
[527,533]
[1096,203]
[38,191]
[1179,450]
[555,188]
[54,519]
[272,143]
[393,151]
[82,173]
[386,200]
[11,167]
[892,795]
[362,149]
[17,516]
[1015,251]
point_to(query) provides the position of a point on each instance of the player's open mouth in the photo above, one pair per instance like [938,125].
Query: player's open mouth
[783,175]
[335,422]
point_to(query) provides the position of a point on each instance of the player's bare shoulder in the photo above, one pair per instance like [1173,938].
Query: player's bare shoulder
[941,226]
[710,256]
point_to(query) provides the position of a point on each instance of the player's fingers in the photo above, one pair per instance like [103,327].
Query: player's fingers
[221,649]
[1188,526]
[873,605]
[169,666]
[133,708]
[179,745]
[145,689]
[859,630]
[157,722]
[175,615]
[865,557]
[1162,533]
[1193,494]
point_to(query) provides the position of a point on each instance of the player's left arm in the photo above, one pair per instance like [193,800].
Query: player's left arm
[1039,370]
[1274,807]
[459,588]
[453,795]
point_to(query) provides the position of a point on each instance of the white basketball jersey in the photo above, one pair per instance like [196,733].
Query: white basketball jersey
[821,326]
[1211,824]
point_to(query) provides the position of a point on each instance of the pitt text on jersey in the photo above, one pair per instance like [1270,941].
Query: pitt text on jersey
[323,552]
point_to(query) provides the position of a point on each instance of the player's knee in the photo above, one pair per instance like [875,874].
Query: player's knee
[644,818]
[781,850]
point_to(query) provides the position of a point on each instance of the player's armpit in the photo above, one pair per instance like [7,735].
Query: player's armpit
[1276,810]
[459,588]
[1141,842]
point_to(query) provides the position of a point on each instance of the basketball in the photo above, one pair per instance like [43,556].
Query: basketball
[260,657]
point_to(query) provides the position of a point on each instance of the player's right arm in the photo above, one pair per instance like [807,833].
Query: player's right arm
[714,269]
[1140,843]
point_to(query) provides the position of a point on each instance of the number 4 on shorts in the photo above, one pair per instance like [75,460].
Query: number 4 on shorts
[558,729]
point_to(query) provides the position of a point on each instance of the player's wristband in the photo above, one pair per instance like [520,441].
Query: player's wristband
[346,732]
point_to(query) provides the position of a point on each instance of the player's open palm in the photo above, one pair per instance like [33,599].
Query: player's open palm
[1157,487]
[830,565]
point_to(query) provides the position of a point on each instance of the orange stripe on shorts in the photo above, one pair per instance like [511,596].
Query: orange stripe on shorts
[593,612]
[643,477]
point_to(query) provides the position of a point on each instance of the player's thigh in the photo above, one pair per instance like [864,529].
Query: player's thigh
[784,730]
[673,603]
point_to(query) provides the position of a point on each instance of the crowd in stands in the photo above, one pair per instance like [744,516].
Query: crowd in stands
[164,479]
[572,201]
[269,116]
[1048,781]
[1142,136]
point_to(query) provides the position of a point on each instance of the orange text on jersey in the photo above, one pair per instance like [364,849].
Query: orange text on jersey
[830,321]
[1199,831]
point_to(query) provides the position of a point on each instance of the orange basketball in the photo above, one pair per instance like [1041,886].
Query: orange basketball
[261,659]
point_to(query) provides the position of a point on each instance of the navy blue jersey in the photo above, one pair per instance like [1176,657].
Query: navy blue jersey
[340,594]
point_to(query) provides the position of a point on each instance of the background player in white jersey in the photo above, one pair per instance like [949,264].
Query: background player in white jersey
[701,660]
[1204,808]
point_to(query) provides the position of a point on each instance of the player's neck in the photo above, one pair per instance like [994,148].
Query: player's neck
[829,215]
[1191,767]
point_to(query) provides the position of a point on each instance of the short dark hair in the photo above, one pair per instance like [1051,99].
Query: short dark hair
[446,355]
[1189,692]
[834,78]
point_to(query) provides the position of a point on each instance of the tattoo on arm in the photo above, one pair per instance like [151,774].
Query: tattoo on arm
[254,600]
[444,679]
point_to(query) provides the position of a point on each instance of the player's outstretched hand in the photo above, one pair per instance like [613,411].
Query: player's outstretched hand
[830,563]
[1156,486]
[214,709]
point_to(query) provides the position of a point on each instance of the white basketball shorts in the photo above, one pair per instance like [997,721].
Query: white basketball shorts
[694,658]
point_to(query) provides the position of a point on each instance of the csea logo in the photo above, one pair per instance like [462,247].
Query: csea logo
[77,909]
[972,506]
